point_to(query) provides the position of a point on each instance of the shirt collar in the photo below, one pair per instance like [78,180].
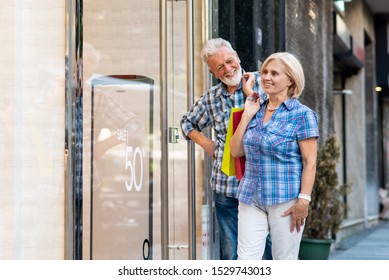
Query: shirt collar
[289,103]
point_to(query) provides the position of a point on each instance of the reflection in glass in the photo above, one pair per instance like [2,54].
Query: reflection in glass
[121,183]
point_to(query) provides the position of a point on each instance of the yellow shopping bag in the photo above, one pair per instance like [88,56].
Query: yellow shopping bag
[228,162]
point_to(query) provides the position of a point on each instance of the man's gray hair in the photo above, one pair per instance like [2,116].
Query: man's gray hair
[212,46]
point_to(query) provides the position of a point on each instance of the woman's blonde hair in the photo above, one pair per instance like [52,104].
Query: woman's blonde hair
[293,70]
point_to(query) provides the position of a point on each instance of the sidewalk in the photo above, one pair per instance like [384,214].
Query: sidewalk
[369,244]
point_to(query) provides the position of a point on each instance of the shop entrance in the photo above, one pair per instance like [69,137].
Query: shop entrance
[139,198]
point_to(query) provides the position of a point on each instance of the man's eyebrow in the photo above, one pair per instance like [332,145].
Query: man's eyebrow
[229,58]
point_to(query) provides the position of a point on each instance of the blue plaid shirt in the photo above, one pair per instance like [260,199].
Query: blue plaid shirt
[273,158]
[213,110]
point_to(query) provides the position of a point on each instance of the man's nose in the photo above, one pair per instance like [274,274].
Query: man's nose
[228,68]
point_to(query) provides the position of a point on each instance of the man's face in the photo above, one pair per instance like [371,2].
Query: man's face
[225,66]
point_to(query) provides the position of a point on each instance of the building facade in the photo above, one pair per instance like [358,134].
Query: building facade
[93,162]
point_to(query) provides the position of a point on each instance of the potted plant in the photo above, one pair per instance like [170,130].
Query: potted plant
[327,207]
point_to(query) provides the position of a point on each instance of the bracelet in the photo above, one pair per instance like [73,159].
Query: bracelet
[305,196]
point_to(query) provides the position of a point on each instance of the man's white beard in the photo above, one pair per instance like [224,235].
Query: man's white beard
[234,81]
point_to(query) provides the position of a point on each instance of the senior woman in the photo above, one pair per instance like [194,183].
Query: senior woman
[278,136]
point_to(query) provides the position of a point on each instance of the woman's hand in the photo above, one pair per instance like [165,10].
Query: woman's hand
[299,213]
[252,105]
[248,83]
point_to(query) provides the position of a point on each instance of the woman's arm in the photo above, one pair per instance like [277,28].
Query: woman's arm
[299,211]
[251,107]
[308,148]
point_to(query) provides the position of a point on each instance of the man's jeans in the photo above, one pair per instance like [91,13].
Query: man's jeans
[227,215]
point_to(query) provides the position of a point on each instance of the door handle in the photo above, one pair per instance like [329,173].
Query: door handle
[173,134]
[178,247]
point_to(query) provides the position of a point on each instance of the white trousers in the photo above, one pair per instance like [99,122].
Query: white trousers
[256,222]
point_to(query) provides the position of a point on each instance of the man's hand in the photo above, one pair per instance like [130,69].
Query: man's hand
[207,144]
[209,147]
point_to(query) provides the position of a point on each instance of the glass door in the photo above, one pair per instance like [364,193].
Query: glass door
[189,231]
[140,197]
[177,94]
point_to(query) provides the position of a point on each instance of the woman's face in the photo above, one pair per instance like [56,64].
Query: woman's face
[274,81]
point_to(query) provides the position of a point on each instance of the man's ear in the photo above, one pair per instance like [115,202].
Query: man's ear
[210,71]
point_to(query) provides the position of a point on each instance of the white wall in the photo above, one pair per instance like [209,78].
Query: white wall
[32,73]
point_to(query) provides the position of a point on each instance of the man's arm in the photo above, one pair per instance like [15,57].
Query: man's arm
[207,144]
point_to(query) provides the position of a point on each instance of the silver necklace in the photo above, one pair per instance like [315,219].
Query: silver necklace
[272,109]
